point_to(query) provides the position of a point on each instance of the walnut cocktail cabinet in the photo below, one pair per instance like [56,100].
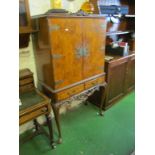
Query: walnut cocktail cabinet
[69,53]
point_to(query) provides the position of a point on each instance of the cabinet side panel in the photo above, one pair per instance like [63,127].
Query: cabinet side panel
[42,52]
[130,82]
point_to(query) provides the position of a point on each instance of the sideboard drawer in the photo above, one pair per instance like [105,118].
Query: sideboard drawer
[94,82]
[69,92]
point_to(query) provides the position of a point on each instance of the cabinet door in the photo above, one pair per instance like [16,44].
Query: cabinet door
[66,43]
[116,79]
[94,30]
[130,78]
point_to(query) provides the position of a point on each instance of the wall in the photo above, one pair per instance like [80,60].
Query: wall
[72,6]
[26,55]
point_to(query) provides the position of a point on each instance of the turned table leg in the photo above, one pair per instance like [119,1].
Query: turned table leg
[36,124]
[50,127]
[57,119]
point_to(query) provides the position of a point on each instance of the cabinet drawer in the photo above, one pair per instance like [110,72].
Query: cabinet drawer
[26,88]
[33,114]
[26,81]
[69,92]
[94,82]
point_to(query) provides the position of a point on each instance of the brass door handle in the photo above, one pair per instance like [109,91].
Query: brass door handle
[85,52]
[81,52]
[72,92]
[93,83]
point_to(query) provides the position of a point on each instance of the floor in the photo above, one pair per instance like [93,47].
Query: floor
[86,133]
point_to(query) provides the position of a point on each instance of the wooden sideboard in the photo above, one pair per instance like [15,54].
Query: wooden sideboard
[120,79]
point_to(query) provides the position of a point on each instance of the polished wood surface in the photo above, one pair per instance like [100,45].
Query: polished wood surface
[38,109]
[94,43]
[24,16]
[34,104]
[26,82]
[120,78]
[67,54]
[65,43]
[25,25]
[116,72]
[69,92]
[130,77]
[92,83]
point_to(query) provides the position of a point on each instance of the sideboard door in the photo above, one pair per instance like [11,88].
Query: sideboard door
[66,49]
[130,76]
[94,46]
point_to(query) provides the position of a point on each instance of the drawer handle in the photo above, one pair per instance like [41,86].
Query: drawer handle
[44,110]
[93,83]
[72,92]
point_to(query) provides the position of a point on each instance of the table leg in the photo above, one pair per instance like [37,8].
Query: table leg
[57,119]
[103,100]
[50,127]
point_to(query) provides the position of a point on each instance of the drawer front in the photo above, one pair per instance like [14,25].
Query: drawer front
[26,88]
[69,92]
[33,114]
[94,82]
[26,81]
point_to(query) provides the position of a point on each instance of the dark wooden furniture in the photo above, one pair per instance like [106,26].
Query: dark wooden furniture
[120,71]
[25,27]
[124,27]
[120,78]
[24,17]
[34,104]
[69,53]
[130,76]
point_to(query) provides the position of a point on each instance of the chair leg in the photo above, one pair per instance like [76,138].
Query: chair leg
[50,127]
[57,119]
[36,124]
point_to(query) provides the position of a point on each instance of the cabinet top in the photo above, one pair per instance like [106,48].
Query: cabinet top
[115,58]
[58,15]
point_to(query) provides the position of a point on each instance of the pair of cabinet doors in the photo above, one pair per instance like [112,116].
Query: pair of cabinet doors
[77,48]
